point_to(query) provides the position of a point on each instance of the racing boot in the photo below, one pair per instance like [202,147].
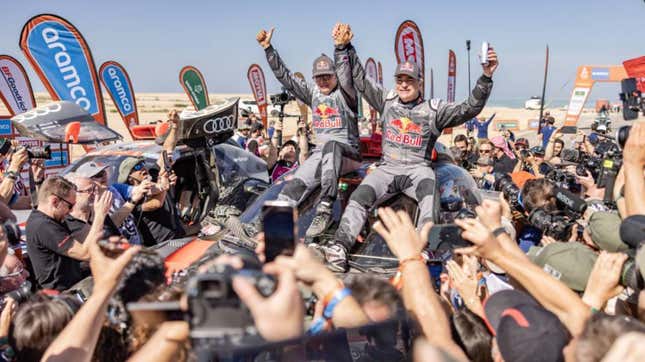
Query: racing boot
[335,256]
[321,221]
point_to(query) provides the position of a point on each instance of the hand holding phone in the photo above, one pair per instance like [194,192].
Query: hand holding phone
[484,53]
[280,228]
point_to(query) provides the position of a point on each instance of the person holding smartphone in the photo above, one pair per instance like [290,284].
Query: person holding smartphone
[411,126]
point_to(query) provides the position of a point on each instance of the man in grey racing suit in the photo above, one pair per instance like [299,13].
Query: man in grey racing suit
[411,126]
[334,104]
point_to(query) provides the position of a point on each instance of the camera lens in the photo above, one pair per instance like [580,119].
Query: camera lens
[622,134]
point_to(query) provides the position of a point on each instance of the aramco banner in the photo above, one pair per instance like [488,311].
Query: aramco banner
[118,85]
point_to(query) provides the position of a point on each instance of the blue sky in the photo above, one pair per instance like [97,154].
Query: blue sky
[154,39]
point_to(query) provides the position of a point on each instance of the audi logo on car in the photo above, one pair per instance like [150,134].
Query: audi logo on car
[36,112]
[219,124]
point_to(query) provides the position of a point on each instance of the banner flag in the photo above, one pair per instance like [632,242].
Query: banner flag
[408,46]
[63,61]
[15,88]
[259,88]
[117,82]
[452,76]
[194,85]
[371,69]
[380,73]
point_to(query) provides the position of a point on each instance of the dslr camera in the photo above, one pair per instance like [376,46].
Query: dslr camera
[34,153]
[504,184]
[281,99]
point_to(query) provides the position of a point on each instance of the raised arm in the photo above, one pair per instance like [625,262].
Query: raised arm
[342,35]
[297,86]
[455,114]
[368,87]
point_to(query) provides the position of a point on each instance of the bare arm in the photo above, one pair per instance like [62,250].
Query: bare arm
[634,160]
[165,344]
[419,296]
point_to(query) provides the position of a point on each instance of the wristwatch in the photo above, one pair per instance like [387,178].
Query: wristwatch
[499,231]
[12,175]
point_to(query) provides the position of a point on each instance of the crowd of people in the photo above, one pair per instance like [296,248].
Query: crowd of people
[550,270]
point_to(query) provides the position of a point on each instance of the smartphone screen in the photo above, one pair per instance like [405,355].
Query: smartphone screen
[280,233]
[569,130]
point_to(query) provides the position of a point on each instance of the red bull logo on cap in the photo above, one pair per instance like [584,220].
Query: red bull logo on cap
[326,117]
[404,131]
[407,67]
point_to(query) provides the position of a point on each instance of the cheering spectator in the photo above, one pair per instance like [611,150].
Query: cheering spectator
[504,159]
[547,131]
[481,125]
[242,134]
[54,253]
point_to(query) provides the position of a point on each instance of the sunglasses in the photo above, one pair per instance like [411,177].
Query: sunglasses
[139,166]
[90,190]
[69,204]
[99,175]
[485,151]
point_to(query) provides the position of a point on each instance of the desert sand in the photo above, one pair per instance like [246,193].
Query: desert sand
[153,107]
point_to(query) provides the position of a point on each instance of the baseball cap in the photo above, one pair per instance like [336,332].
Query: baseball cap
[537,150]
[632,230]
[290,142]
[126,168]
[244,125]
[571,263]
[522,141]
[525,331]
[90,169]
[604,229]
[408,68]
[323,65]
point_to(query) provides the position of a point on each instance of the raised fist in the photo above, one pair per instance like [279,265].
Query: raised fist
[264,38]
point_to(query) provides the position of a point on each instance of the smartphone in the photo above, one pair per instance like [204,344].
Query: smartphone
[280,228]
[569,130]
[166,162]
[484,54]
[443,237]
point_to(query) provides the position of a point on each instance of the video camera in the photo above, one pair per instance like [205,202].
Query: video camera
[558,224]
[281,99]
[504,184]
[34,153]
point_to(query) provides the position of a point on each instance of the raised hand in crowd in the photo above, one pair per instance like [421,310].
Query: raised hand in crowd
[277,317]
[419,296]
[342,34]
[18,159]
[493,62]
[77,341]
[465,281]
[604,280]
[166,344]
[264,37]
[633,163]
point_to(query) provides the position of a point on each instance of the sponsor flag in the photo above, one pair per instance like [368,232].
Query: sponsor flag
[117,82]
[304,110]
[408,46]
[431,83]
[542,100]
[380,73]
[372,71]
[635,68]
[259,88]
[194,85]
[452,75]
[15,88]
[63,61]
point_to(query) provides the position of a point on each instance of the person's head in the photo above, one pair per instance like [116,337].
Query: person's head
[501,147]
[256,130]
[473,336]
[408,81]
[96,171]
[289,151]
[56,197]
[538,154]
[486,149]
[558,146]
[245,127]
[132,171]
[85,191]
[599,334]
[538,193]
[5,148]
[521,144]
[37,323]
[461,142]
[378,298]
[324,74]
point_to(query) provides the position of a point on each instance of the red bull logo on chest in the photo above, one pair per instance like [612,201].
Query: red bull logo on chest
[326,117]
[404,131]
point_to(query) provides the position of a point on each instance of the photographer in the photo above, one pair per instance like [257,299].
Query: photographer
[530,160]
[467,156]
[55,254]
[12,190]
[483,173]
[334,105]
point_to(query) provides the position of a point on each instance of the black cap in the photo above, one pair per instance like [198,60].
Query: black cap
[257,126]
[525,331]
[323,65]
[537,150]
[632,230]
[290,142]
[408,68]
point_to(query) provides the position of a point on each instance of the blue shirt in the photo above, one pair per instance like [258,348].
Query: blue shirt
[529,236]
[124,190]
[547,131]
[482,127]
